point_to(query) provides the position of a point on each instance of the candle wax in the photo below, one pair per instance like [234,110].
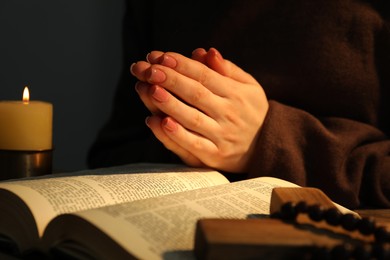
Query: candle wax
[26,126]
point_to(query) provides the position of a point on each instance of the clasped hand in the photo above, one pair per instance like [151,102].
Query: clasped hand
[205,109]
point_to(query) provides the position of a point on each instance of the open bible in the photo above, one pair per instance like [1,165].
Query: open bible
[134,211]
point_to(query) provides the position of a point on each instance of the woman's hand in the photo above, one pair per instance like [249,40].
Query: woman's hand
[209,116]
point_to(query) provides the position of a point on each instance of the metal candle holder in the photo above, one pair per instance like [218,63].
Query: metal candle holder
[21,164]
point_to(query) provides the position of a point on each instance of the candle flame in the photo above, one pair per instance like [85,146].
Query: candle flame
[26,95]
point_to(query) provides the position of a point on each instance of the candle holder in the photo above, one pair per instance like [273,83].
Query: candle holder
[21,164]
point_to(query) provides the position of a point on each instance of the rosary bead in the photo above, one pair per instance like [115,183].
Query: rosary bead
[366,226]
[316,213]
[288,211]
[333,216]
[301,207]
[349,221]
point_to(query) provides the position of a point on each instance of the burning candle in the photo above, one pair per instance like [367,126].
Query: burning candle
[26,125]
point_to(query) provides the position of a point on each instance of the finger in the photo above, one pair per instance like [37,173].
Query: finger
[158,57]
[183,66]
[155,124]
[225,67]
[142,88]
[200,147]
[199,54]
[154,57]
[202,73]
[214,60]
[197,71]
[188,116]
[139,69]
[199,116]
[189,90]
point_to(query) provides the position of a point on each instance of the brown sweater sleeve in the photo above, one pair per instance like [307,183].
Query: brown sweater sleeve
[348,160]
[329,128]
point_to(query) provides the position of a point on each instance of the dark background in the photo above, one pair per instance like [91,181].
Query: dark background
[69,53]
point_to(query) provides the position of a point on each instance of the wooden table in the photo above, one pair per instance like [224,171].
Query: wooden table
[382,216]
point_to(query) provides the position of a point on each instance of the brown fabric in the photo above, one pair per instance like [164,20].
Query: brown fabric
[324,65]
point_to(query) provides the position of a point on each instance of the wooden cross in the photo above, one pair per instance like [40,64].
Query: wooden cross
[271,238]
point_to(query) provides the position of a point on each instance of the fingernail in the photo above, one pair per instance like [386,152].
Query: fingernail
[147,57]
[168,61]
[156,76]
[216,53]
[169,124]
[198,50]
[159,93]
[131,68]
[147,121]
[140,87]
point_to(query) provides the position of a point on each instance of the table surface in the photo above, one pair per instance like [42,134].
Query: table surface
[382,216]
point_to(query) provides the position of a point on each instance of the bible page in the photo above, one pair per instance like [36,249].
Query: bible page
[164,227]
[50,197]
